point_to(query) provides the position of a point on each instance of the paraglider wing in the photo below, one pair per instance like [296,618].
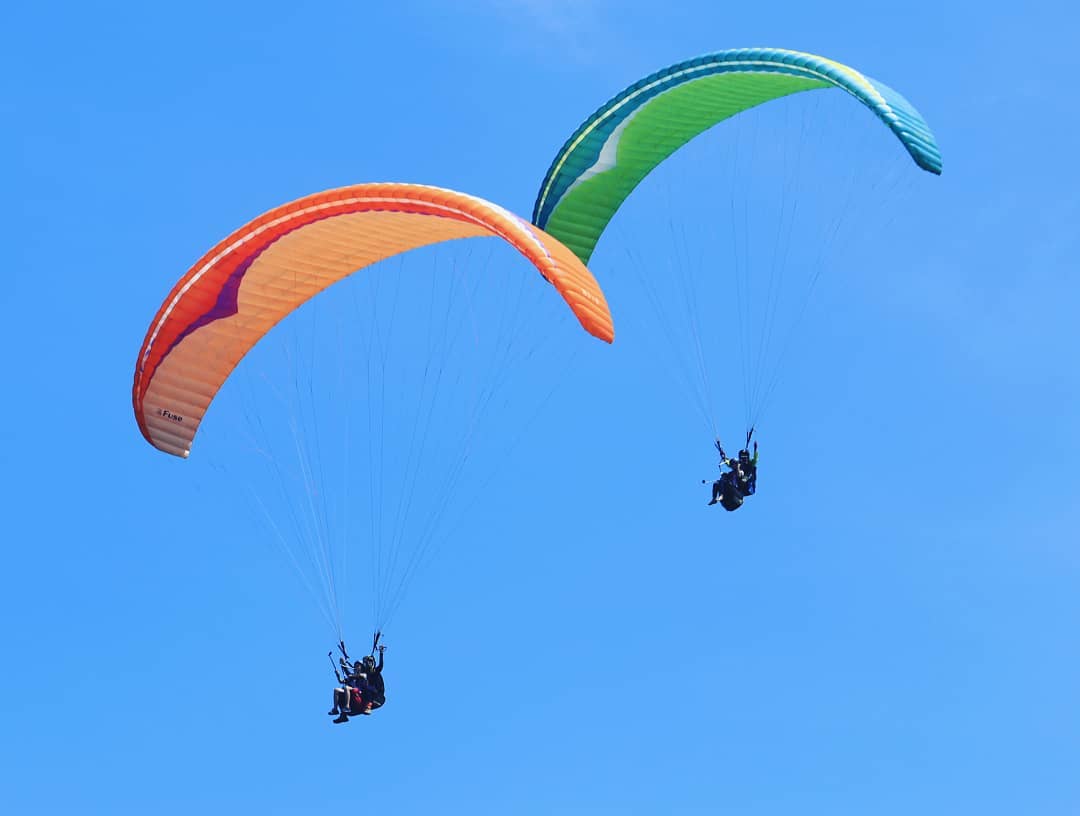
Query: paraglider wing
[266,269]
[620,144]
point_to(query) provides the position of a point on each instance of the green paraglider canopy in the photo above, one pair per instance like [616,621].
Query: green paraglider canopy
[621,143]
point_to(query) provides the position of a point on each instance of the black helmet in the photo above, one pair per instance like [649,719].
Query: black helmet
[744,456]
[369,662]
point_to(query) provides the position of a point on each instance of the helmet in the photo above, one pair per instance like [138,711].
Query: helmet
[369,662]
[744,456]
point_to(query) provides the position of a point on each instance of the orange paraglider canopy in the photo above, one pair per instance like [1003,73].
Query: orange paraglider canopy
[266,269]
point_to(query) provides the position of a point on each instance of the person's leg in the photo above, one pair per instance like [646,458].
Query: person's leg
[715,492]
[341,701]
[341,705]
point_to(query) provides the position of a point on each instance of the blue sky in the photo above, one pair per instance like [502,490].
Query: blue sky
[901,639]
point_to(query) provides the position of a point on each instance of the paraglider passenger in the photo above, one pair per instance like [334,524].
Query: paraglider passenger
[362,689]
[725,490]
[736,483]
[348,697]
